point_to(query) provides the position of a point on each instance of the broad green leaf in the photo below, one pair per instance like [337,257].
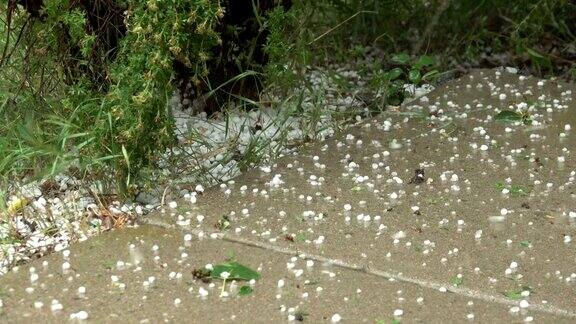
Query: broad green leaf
[394,74]
[245,290]
[401,58]
[424,61]
[414,76]
[236,270]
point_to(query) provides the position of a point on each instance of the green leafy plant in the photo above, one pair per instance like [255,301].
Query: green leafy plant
[400,70]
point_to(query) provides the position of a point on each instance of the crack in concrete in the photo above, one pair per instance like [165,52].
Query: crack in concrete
[462,291]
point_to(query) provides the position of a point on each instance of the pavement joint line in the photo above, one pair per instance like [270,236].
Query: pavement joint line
[462,291]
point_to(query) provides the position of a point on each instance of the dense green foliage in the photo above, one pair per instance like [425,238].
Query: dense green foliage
[76,91]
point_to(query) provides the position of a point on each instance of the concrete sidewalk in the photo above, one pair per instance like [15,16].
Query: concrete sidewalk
[436,212]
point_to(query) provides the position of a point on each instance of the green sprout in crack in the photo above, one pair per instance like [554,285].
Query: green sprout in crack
[456,281]
[516,294]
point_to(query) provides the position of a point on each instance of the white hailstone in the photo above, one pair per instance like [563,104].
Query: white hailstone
[395,145]
[199,188]
[177,301]
[528,319]
[470,316]
[567,127]
[203,292]
[502,96]
[394,195]
[65,266]
[478,234]
[567,239]
[524,303]
[525,293]
[280,283]
[336,318]
[513,265]
[81,290]
[511,70]
[484,147]
[347,207]
[454,177]
[155,248]
[80,316]
[56,306]
[309,263]
[33,277]
[276,180]
[188,237]
[443,289]
[66,253]
[193,199]
[38,304]
[225,275]
[503,211]
[398,312]
[173,204]
[399,235]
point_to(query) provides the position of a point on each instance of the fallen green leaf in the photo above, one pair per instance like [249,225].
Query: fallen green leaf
[401,58]
[423,61]
[236,271]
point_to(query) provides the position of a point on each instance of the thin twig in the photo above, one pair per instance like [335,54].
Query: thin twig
[339,25]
